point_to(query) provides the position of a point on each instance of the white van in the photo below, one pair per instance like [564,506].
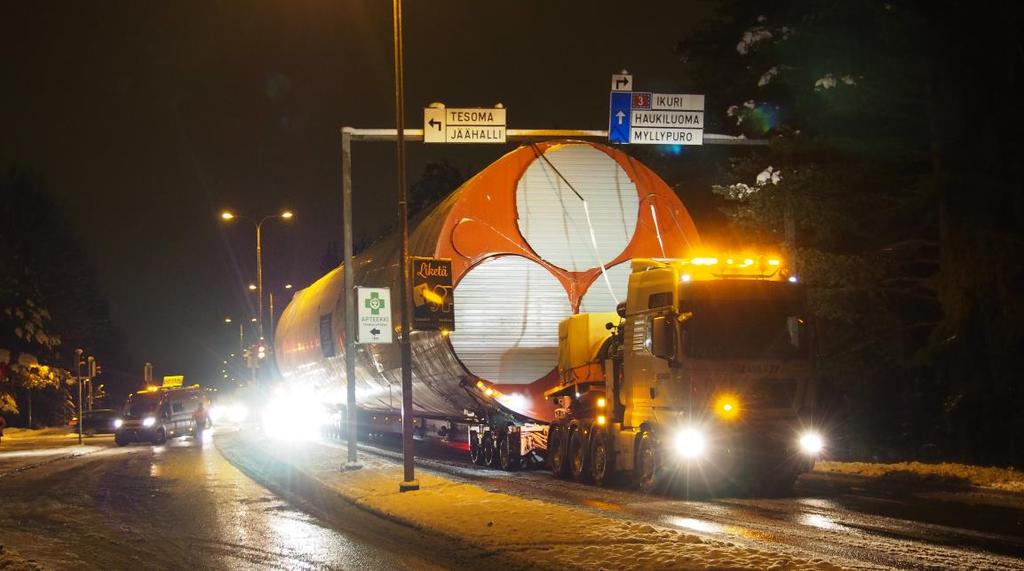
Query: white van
[156,414]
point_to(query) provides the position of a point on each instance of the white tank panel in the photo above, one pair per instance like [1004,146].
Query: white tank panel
[507,311]
[597,299]
[552,218]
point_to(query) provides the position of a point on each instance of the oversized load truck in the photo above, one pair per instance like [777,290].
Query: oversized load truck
[703,374]
[547,232]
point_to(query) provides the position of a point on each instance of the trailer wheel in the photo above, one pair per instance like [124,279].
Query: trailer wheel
[602,463]
[580,456]
[475,449]
[508,459]
[645,463]
[556,450]
[488,451]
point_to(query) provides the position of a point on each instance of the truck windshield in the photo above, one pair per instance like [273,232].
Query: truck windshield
[142,405]
[744,321]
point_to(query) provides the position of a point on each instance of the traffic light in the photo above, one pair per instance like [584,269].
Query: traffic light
[261,351]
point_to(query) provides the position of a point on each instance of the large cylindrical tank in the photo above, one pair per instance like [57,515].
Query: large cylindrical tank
[527,237]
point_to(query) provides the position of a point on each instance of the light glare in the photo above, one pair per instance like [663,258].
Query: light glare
[811,443]
[690,443]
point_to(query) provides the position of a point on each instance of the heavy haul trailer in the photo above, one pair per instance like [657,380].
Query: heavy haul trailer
[703,373]
[544,232]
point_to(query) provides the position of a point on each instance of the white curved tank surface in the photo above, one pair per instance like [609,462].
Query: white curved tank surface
[527,237]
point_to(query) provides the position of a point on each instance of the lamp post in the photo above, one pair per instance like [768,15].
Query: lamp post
[78,377]
[271,298]
[228,216]
[409,482]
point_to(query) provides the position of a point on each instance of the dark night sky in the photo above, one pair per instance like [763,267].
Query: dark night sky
[146,118]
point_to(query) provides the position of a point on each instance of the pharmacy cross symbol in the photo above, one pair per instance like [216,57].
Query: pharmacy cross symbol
[374,303]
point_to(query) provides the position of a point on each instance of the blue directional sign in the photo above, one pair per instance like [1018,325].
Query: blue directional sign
[619,116]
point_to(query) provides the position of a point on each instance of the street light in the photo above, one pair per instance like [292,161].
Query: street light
[409,482]
[241,339]
[228,216]
[78,377]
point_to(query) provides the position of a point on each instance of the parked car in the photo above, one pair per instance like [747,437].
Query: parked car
[99,421]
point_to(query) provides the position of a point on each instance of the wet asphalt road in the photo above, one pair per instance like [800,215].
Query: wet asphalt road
[846,520]
[183,505]
[177,506]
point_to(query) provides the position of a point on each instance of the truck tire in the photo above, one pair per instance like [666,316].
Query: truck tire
[508,459]
[488,451]
[557,451]
[602,461]
[475,449]
[645,463]
[579,456]
[120,440]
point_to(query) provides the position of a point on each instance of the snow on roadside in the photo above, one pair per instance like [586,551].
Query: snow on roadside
[17,433]
[1005,479]
[11,560]
[535,532]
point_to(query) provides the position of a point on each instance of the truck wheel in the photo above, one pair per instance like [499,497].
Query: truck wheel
[487,450]
[602,463]
[119,439]
[475,449]
[508,459]
[556,451]
[580,457]
[645,463]
[160,437]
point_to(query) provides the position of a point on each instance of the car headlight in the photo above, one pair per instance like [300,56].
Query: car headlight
[690,443]
[148,421]
[811,443]
[118,423]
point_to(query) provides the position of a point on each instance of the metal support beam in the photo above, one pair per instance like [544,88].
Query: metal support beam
[530,134]
[350,304]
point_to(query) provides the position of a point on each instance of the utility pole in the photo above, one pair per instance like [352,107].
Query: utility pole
[92,377]
[78,378]
[409,484]
[271,318]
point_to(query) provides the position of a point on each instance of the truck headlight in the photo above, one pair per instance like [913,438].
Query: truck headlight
[118,422]
[811,443]
[148,421]
[690,443]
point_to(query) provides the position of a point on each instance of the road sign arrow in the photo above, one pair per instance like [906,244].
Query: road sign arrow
[620,116]
[375,332]
[435,124]
[620,82]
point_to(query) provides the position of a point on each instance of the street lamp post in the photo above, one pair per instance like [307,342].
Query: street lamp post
[227,216]
[78,377]
[241,336]
[409,483]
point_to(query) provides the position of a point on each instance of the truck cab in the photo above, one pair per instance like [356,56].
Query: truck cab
[704,375]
